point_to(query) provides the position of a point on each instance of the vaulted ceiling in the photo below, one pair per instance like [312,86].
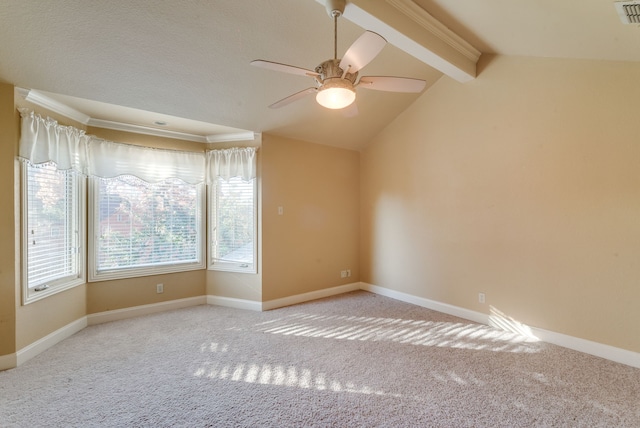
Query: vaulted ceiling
[186,62]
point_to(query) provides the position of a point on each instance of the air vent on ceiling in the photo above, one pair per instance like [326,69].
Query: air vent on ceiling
[629,11]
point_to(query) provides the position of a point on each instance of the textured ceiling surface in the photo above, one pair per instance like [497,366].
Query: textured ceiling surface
[579,29]
[190,59]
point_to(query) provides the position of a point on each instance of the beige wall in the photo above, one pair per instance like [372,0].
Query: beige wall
[38,319]
[125,293]
[8,269]
[305,249]
[234,285]
[523,184]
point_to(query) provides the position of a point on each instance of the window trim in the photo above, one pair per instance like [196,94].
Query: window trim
[134,272]
[29,294]
[211,212]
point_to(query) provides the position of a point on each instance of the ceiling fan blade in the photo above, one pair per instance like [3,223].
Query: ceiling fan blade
[291,98]
[362,51]
[276,66]
[392,84]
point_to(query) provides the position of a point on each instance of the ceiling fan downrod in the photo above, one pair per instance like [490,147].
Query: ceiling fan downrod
[335,9]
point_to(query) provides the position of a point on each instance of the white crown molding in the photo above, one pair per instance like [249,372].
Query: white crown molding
[146,130]
[43,101]
[435,27]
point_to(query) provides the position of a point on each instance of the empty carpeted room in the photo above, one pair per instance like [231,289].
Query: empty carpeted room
[196,235]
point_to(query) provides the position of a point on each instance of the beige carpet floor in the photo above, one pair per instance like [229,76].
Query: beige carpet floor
[356,360]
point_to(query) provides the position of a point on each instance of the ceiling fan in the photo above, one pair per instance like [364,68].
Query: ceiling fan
[336,79]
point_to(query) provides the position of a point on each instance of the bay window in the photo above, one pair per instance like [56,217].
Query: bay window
[231,174]
[140,228]
[233,225]
[146,208]
[53,230]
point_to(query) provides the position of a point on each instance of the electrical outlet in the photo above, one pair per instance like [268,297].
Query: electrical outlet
[159,288]
[348,273]
[481,297]
[343,274]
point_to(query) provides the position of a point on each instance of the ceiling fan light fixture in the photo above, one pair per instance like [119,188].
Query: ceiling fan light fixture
[336,93]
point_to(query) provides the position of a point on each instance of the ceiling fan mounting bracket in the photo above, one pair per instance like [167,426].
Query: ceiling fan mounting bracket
[335,8]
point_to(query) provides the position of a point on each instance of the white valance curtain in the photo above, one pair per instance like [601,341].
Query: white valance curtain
[108,159]
[229,163]
[44,140]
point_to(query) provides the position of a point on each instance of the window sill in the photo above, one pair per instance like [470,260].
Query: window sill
[108,275]
[30,295]
[233,267]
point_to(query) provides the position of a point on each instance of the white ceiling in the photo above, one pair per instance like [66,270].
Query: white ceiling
[186,62]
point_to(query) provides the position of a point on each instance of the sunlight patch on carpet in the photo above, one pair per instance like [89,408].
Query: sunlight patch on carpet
[279,375]
[405,331]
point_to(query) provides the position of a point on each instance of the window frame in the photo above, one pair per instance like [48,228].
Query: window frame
[224,266]
[134,272]
[30,294]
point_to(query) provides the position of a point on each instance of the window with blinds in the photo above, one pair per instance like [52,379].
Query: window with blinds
[233,225]
[52,230]
[143,229]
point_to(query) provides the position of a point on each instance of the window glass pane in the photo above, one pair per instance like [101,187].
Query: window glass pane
[233,223]
[52,227]
[141,224]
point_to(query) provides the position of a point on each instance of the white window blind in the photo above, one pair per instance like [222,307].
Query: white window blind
[233,224]
[140,225]
[53,224]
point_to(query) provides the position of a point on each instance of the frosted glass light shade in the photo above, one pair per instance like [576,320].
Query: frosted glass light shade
[336,93]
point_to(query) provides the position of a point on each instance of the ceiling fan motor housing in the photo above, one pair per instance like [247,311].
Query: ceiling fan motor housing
[330,69]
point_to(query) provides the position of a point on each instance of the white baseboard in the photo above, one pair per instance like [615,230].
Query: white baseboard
[312,295]
[41,345]
[8,361]
[426,303]
[601,350]
[231,302]
[136,311]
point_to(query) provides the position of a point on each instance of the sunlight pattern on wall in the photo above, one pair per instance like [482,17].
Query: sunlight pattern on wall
[500,320]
